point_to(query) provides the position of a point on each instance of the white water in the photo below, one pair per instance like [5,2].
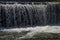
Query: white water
[52,18]
[34,30]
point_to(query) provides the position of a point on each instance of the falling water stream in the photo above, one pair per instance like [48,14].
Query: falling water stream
[29,20]
[23,15]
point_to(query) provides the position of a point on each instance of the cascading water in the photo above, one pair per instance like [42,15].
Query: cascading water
[53,13]
[23,15]
[25,21]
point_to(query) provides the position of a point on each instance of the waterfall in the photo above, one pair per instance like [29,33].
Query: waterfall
[53,13]
[23,15]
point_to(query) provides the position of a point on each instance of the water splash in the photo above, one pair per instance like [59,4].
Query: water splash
[34,30]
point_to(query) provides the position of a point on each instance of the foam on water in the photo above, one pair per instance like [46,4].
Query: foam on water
[34,30]
[53,29]
[18,15]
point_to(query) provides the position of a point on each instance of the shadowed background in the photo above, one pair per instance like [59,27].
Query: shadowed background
[32,0]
